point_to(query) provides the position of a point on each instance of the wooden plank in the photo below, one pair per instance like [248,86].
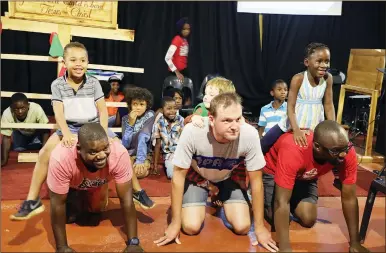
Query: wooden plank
[43,126]
[28,25]
[29,126]
[23,57]
[27,157]
[79,31]
[370,159]
[116,68]
[8,94]
[370,129]
[342,95]
[114,14]
[357,89]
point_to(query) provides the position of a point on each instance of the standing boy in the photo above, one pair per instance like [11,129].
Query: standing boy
[272,113]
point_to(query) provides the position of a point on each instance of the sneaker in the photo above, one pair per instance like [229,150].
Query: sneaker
[28,209]
[143,200]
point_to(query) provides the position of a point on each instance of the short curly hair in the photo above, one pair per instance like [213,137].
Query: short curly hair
[138,93]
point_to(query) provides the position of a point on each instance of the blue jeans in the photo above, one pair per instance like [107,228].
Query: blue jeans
[21,142]
[169,167]
[111,121]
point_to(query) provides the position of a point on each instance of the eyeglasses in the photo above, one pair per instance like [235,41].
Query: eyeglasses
[335,152]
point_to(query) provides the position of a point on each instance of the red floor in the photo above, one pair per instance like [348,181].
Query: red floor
[328,235]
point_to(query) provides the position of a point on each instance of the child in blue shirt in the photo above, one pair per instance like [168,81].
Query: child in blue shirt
[273,112]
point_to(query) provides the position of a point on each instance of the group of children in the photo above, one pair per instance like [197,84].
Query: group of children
[78,99]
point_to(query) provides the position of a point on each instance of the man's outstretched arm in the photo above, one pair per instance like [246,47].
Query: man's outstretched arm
[58,221]
[351,215]
[281,217]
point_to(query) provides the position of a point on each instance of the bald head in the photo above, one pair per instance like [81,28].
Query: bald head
[91,132]
[329,133]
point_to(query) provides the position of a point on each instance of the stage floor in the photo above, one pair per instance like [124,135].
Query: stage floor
[328,235]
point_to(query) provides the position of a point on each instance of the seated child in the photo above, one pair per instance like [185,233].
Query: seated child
[77,99]
[177,95]
[106,88]
[166,131]
[137,127]
[272,113]
[122,111]
[22,111]
[214,87]
[114,96]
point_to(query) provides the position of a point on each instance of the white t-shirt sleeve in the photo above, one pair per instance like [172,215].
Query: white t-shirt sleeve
[185,149]
[168,58]
[254,158]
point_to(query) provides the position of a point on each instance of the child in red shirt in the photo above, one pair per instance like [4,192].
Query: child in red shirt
[177,55]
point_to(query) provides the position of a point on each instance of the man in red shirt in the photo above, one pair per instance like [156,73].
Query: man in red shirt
[290,180]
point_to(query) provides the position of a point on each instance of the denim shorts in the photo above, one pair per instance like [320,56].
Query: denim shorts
[75,130]
[229,192]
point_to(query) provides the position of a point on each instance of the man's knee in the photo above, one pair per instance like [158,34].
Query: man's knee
[308,220]
[192,227]
[241,228]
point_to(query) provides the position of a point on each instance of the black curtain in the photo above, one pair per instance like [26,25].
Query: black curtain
[222,41]
[361,25]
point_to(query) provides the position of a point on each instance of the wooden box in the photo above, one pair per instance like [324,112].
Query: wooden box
[362,68]
[81,13]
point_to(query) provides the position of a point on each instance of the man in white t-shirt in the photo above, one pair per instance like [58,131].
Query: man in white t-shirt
[223,144]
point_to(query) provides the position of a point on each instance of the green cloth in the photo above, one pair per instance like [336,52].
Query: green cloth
[204,111]
[56,48]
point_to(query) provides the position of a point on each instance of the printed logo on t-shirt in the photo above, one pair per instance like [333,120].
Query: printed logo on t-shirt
[184,49]
[92,183]
[310,174]
[218,163]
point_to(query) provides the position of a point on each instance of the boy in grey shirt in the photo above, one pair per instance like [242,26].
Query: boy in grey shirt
[223,144]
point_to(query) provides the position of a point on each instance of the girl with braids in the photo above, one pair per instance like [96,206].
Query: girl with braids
[177,55]
[310,93]
[309,98]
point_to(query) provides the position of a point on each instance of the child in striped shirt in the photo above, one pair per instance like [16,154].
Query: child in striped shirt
[272,113]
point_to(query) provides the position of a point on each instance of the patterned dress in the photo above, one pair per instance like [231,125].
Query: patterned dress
[309,105]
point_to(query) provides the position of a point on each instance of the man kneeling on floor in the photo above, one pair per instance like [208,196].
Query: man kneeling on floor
[78,182]
[290,180]
[214,151]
